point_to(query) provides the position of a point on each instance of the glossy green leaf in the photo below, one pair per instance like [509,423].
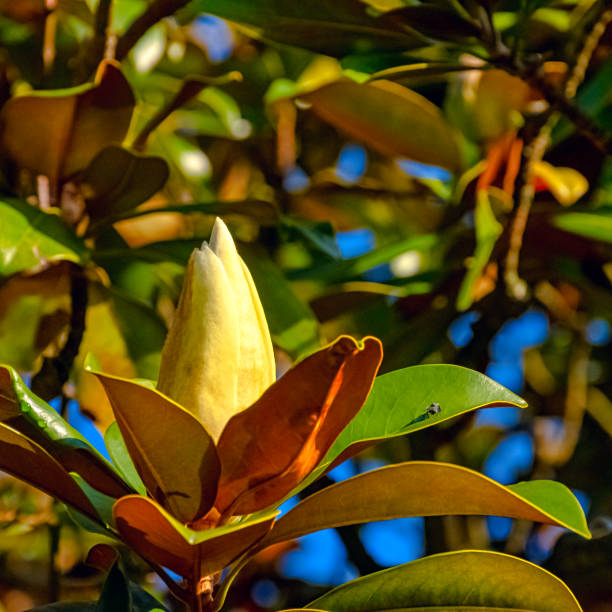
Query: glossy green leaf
[159,537]
[467,578]
[488,230]
[390,118]
[178,464]
[118,180]
[596,225]
[121,458]
[31,237]
[27,413]
[423,488]
[28,461]
[333,28]
[399,400]
[293,326]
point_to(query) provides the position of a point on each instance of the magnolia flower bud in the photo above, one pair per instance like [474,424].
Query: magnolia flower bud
[218,358]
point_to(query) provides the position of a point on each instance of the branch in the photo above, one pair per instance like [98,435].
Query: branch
[154,13]
[97,45]
[50,379]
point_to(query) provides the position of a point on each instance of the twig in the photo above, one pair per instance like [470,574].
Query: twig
[190,88]
[95,52]
[48,50]
[534,152]
[53,575]
[50,379]
[154,13]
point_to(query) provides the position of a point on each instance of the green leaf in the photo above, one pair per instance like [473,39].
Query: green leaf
[350,268]
[178,464]
[423,488]
[399,400]
[34,418]
[115,596]
[596,225]
[488,230]
[102,503]
[319,235]
[158,537]
[28,461]
[121,458]
[31,237]
[292,323]
[390,118]
[333,28]
[118,180]
[467,578]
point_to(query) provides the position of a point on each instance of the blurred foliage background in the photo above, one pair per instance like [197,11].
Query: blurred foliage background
[434,173]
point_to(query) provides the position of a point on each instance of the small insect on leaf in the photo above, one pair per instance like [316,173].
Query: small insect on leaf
[434,408]
[431,410]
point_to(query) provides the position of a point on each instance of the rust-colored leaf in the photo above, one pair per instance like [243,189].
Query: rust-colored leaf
[173,453]
[102,557]
[27,460]
[161,539]
[267,449]
[57,133]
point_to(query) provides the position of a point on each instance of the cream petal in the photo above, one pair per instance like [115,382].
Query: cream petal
[201,353]
[256,366]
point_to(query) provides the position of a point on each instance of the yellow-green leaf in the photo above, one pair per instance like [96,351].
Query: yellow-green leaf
[31,238]
[467,578]
[423,488]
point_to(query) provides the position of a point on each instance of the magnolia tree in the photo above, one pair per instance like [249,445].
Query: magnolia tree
[203,458]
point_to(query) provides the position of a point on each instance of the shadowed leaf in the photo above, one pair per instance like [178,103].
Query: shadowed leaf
[160,538]
[307,409]
[334,28]
[27,460]
[422,488]
[57,133]
[118,180]
[171,450]
[293,326]
[390,118]
[467,578]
